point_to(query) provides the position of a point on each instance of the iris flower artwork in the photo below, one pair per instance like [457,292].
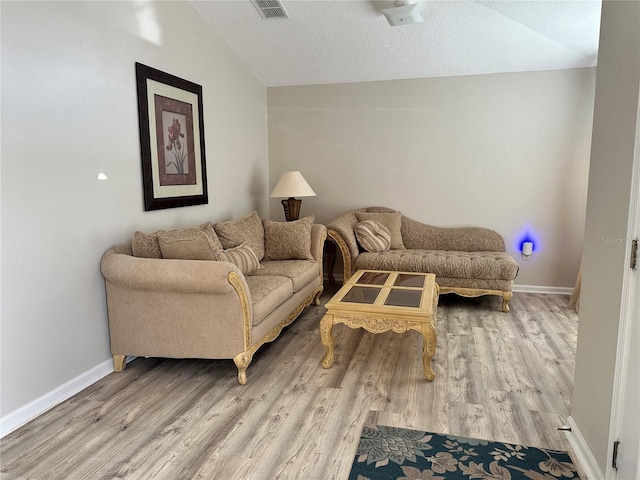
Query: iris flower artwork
[174,145]
[171,139]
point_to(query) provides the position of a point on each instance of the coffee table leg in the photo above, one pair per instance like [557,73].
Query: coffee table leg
[429,350]
[326,335]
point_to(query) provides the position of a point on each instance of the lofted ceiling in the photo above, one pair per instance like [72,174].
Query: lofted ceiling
[338,41]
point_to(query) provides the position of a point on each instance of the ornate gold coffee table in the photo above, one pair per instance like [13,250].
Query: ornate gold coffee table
[379,301]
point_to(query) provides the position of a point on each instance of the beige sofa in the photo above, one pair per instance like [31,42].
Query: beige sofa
[186,308]
[468,261]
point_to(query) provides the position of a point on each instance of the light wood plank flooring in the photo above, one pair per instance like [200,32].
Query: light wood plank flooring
[499,376]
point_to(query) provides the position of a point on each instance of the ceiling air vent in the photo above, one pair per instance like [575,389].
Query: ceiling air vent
[270,8]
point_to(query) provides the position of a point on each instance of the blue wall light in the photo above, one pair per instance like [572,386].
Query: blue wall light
[527,244]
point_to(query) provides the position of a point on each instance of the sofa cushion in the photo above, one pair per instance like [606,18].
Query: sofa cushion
[288,240]
[480,283]
[373,236]
[241,256]
[267,292]
[467,265]
[208,229]
[301,272]
[186,244]
[247,230]
[145,245]
[393,222]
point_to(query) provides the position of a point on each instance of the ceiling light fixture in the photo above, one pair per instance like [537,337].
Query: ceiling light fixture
[404,13]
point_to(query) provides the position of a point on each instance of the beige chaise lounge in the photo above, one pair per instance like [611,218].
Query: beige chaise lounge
[468,261]
[179,308]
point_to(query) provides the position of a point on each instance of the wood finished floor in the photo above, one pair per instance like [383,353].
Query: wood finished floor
[499,376]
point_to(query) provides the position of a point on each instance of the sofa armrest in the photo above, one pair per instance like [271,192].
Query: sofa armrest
[318,237]
[347,260]
[176,308]
[345,226]
[186,276]
[342,232]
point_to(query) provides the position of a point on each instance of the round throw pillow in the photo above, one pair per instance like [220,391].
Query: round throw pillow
[373,236]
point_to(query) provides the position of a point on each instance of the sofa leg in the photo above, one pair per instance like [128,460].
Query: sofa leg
[506,298]
[119,362]
[242,361]
[316,299]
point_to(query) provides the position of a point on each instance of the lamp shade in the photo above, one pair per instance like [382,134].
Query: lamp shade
[292,184]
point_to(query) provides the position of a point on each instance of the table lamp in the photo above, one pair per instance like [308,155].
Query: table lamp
[292,184]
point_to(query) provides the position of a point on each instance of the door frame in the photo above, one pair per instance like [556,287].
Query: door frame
[629,301]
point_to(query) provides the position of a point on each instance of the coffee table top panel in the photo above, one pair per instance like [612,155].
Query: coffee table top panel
[404,298]
[359,294]
[373,278]
[388,291]
[409,280]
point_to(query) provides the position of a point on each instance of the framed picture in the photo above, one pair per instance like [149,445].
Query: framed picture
[171,140]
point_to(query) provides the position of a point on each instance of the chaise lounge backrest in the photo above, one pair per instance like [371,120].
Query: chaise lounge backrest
[469,261]
[458,239]
[417,235]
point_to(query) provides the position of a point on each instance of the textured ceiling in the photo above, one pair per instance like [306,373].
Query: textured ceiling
[338,41]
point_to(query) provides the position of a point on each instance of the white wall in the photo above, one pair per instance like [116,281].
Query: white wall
[606,235]
[507,151]
[69,112]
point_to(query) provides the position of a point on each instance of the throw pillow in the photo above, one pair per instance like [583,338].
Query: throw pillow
[393,222]
[186,244]
[288,240]
[247,230]
[145,245]
[373,236]
[207,228]
[241,256]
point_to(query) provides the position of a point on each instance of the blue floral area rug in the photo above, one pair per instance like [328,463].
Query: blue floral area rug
[388,453]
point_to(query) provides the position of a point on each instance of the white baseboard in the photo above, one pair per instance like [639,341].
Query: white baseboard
[582,453]
[542,289]
[22,415]
[516,288]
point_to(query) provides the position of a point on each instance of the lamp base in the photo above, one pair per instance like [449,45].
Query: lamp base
[291,208]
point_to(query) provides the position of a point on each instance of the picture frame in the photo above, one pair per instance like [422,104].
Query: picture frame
[172,148]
